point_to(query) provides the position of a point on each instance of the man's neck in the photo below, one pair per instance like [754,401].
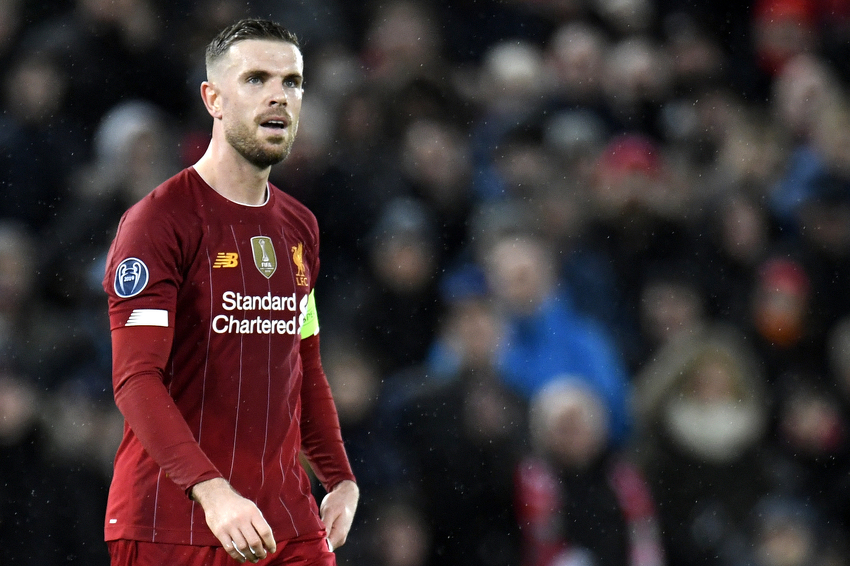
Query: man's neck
[230,175]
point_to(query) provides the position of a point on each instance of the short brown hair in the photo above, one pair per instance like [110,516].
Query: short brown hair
[247,29]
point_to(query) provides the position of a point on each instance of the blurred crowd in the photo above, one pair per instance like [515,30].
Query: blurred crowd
[585,267]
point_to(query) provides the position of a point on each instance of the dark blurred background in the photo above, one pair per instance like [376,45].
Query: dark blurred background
[585,267]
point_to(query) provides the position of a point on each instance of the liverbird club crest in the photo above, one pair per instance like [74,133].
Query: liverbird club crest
[264,256]
[298,260]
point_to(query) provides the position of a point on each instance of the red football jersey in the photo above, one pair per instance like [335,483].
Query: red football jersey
[235,284]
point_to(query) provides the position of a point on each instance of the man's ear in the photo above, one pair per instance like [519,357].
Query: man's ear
[211,98]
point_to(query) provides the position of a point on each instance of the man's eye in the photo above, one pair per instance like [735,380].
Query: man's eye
[255,80]
[292,83]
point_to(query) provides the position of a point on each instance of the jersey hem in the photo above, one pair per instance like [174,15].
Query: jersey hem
[147,534]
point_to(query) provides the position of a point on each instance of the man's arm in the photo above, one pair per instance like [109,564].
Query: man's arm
[337,511]
[139,356]
[321,441]
[234,520]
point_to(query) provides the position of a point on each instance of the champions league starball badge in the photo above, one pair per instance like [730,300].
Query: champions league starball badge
[131,277]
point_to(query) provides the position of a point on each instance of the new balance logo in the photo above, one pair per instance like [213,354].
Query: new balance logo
[226,259]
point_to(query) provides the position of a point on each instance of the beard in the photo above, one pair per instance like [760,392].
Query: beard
[259,154]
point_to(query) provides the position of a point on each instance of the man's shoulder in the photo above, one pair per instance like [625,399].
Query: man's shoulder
[167,199]
[176,187]
[290,203]
[295,209]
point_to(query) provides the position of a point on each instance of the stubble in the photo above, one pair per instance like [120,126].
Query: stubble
[260,154]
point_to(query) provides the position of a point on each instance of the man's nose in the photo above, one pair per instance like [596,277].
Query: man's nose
[278,95]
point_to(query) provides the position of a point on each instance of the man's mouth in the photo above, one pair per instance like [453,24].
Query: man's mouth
[274,123]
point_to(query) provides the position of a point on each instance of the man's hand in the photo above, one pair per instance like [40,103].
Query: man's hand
[235,521]
[337,511]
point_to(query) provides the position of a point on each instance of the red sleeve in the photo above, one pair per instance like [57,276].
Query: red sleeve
[139,356]
[321,439]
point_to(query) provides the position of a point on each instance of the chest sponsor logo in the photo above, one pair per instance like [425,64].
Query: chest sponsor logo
[264,256]
[261,314]
[298,260]
[226,259]
[131,277]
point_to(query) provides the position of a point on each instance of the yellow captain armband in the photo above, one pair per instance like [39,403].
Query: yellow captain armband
[310,322]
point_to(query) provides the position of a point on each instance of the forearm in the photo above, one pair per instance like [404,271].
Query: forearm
[157,423]
[149,409]
[321,438]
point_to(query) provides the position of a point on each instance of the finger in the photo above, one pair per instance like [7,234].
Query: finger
[254,546]
[266,539]
[254,555]
[235,553]
[337,530]
[329,516]
[257,550]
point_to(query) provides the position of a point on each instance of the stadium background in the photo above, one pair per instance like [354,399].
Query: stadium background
[678,170]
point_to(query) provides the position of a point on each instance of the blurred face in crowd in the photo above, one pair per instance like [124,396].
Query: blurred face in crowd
[354,382]
[802,90]
[18,400]
[811,423]
[404,264]
[576,56]
[570,424]
[780,303]
[743,230]
[669,308]
[713,415]
[839,355]
[475,329]
[520,272]
[35,89]
[16,271]
[437,157]
[255,89]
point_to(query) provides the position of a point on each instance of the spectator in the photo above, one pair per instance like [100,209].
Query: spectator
[782,29]
[781,322]
[134,151]
[786,531]
[636,82]
[462,437]
[545,337]
[437,168]
[401,307]
[52,509]
[802,92]
[510,89]
[736,240]
[402,39]
[41,142]
[469,334]
[400,536]
[122,45]
[638,222]
[660,151]
[357,389]
[821,220]
[671,307]
[18,297]
[576,56]
[702,410]
[812,443]
[579,500]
